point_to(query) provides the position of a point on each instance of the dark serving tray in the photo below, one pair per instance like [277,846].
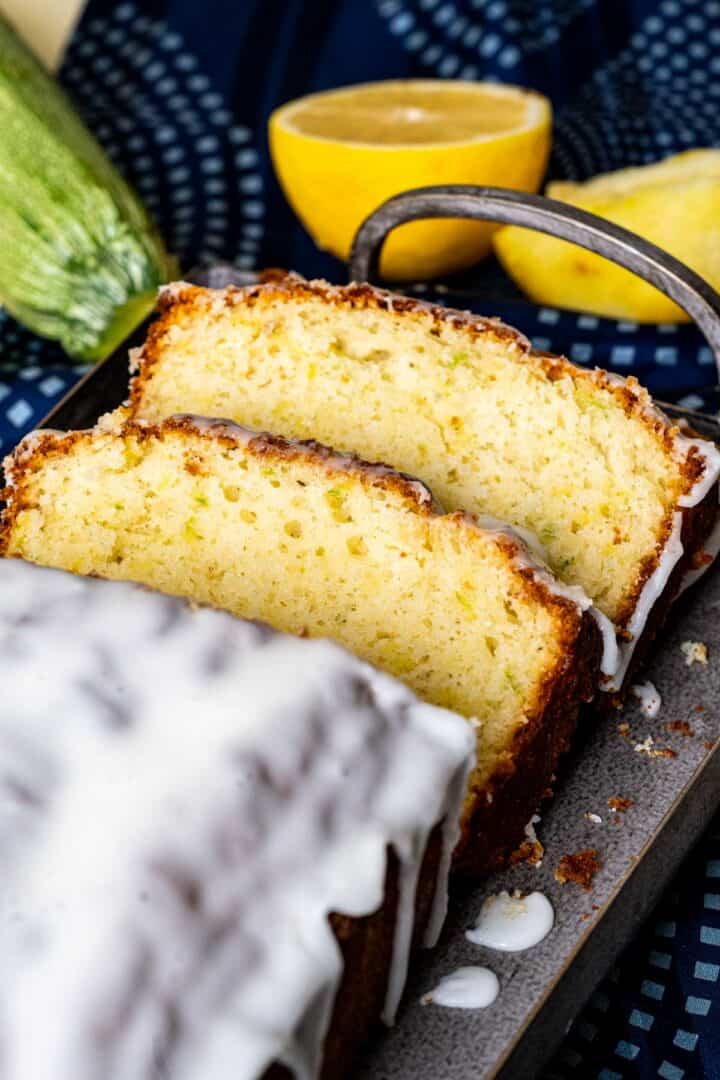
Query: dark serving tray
[674,798]
[543,989]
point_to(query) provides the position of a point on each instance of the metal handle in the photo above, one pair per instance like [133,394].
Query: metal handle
[689,291]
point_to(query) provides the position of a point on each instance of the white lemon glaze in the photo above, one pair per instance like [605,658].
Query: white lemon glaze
[465,988]
[185,798]
[513,923]
[649,698]
[673,550]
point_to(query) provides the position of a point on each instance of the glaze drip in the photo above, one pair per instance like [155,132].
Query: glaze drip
[649,698]
[673,549]
[513,923]
[466,988]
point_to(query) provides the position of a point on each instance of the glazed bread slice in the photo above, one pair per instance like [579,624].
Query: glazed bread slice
[620,500]
[319,544]
[175,798]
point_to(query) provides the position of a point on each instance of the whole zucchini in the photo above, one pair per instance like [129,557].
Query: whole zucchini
[80,260]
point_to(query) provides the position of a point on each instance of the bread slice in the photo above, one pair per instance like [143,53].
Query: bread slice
[621,501]
[323,545]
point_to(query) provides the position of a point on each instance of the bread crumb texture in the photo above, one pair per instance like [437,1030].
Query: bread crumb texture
[457,400]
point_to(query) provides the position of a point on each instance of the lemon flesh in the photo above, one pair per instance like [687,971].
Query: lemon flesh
[341,153]
[674,203]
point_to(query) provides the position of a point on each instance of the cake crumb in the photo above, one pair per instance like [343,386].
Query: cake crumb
[708,744]
[530,851]
[624,730]
[647,746]
[618,804]
[595,818]
[580,868]
[695,652]
[682,727]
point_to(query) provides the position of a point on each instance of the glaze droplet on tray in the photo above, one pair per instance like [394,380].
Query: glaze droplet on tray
[513,923]
[649,698]
[466,988]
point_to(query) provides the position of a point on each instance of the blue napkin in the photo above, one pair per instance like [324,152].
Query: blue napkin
[179,93]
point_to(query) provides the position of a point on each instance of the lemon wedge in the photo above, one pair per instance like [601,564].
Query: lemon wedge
[339,154]
[675,203]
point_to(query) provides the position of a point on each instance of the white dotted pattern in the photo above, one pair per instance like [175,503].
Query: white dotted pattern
[186,154]
[648,100]
[503,31]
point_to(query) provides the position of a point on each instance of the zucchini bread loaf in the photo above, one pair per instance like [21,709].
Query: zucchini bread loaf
[620,500]
[325,545]
[191,886]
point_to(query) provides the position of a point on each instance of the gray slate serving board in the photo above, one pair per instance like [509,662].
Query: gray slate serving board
[542,990]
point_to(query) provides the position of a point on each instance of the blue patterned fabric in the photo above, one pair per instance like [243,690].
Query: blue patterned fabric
[179,94]
[656,1014]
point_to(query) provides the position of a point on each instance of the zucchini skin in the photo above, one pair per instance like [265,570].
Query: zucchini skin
[80,259]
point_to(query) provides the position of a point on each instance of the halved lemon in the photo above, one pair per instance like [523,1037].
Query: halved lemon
[339,154]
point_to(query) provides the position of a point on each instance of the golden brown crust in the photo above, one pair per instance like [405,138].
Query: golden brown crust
[634,398]
[356,295]
[29,455]
[181,295]
[31,452]
[497,824]
[290,287]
